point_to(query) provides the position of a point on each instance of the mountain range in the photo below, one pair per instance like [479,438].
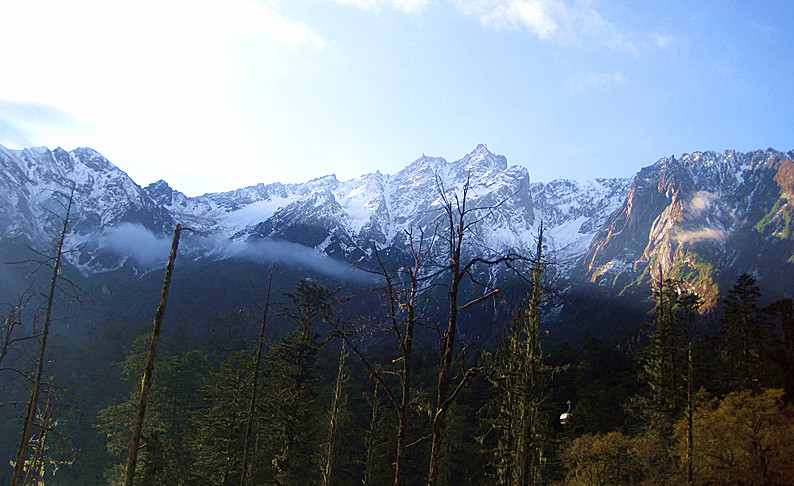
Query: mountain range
[703,218]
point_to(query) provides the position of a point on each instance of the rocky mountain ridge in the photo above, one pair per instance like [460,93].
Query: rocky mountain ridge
[702,217]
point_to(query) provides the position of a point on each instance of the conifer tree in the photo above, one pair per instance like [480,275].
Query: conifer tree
[292,432]
[664,359]
[255,383]
[518,375]
[168,451]
[743,336]
[780,358]
[220,418]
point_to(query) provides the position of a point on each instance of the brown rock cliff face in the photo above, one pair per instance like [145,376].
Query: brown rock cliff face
[694,217]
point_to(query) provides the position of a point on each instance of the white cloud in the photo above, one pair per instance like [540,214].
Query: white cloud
[153,71]
[408,6]
[548,19]
[411,6]
[699,235]
[701,201]
[663,41]
[70,50]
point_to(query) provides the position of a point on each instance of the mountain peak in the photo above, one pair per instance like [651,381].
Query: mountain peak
[160,191]
[482,157]
[481,149]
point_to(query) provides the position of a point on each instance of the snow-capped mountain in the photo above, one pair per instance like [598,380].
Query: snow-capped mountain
[343,219]
[33,185]
[703,217]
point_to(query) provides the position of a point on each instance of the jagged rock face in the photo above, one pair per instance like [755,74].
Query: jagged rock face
[573,211]
[34,187]
[346,219]
[695,217]
[703,218]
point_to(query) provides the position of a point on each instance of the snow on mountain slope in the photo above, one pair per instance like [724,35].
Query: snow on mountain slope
[335,218]
[344,219]
[35,183]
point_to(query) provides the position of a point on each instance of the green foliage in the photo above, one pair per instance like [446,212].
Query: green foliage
[743,339]
[664,359]
[170,425]
[628,402]
[220,422]
[780,219]
[518,376]
[292,431]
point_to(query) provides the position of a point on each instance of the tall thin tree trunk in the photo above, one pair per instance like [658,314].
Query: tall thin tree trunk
[146,382]
[36,468]
[332,422]
[527,461]
[447,348]
[690,302]
[257,364]
[372,439]
[30,413]
[405,401]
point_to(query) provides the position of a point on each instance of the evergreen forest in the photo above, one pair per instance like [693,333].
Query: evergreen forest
[308,387]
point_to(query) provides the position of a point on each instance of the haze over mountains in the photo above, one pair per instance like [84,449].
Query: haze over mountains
[704,218]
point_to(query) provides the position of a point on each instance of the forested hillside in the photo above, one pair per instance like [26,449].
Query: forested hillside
[317,386]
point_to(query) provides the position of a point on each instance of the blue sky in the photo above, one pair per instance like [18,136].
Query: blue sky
[212,96]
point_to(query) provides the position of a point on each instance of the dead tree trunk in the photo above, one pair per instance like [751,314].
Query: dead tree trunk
[146,382]
[257,364]
[30,413]
[372,438]
[460,222]
[333,419]
[403,315]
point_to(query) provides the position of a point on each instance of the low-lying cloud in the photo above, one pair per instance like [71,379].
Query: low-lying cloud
[699,235]
[137,242]
[146,248]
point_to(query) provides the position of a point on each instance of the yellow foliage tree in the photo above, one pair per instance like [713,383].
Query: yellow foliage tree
[743,439]
[614,459]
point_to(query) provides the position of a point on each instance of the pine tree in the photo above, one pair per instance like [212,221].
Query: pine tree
[219,421]
[779,362]
[664,359]
[518,375]
[743,336]
[292,435]
[167,452]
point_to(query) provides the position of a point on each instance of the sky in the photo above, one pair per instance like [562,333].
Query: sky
[212,96]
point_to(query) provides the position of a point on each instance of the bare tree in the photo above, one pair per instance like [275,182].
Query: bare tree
[334,417]
[11,323]
[460,224]
[255,385]
[32,405]
[407,287]
[403,292]
[146,382]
